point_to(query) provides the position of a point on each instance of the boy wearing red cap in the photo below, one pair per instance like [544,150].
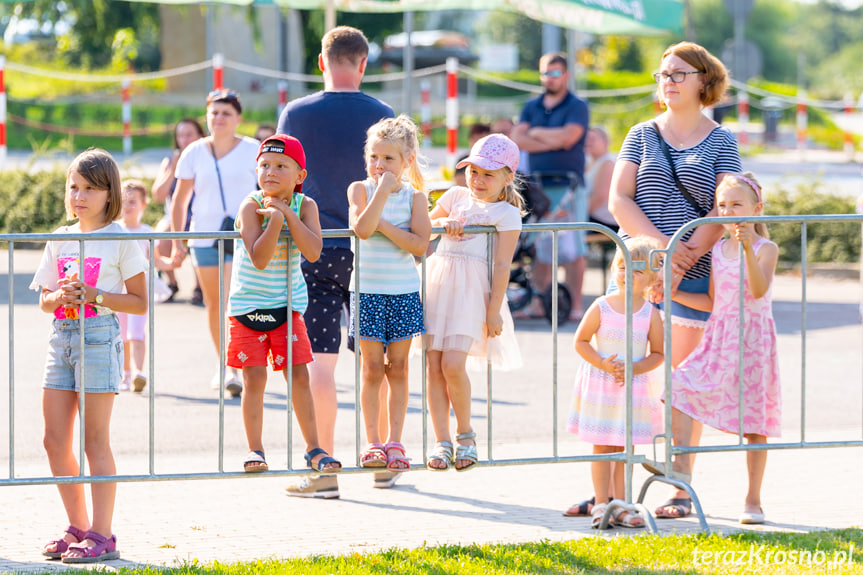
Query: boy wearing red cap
[258,299]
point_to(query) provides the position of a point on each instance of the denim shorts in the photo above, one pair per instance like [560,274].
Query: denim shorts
[207,257]
[102,363]
[681,314]
[388,318]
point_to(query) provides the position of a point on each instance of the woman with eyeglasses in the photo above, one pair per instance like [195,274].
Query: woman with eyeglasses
[221,170]
[647,200]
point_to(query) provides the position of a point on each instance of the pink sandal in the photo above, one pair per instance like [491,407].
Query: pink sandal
[374,455]
[61,545]
[395,461]
[105,549]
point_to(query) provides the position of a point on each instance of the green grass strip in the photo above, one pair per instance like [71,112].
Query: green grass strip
[836,551]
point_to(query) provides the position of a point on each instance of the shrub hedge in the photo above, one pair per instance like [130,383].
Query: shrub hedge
[33,202]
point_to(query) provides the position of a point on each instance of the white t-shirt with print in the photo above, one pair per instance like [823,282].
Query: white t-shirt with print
[108,264]
[239,179]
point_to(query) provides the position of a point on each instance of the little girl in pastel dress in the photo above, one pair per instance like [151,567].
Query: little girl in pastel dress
[705,384]
[598,413]
[467,317]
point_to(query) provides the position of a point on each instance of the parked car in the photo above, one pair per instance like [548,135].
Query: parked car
[431,48]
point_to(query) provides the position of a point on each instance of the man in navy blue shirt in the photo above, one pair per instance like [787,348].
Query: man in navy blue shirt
[551,129]
[332,127]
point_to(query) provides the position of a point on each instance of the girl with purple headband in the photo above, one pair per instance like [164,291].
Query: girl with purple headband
[705,385]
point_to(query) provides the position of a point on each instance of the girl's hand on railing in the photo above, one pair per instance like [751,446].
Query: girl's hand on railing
[453,227]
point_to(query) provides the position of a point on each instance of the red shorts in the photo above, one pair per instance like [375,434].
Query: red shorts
[248,348]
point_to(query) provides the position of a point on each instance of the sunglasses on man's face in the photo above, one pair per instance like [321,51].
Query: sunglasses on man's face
[552,74]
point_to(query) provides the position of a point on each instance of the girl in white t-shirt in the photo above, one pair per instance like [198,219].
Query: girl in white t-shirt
[467,316]
[97,286]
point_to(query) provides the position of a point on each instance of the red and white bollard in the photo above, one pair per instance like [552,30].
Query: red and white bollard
[802,121]
[451,113]
[849,138]
[743,118]
[218,71]
[283,96]
[425,112]
[127,117]
[2,112]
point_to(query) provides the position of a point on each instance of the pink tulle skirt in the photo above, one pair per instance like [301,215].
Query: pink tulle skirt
[457,292]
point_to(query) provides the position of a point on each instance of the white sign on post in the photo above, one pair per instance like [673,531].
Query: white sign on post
[498,58]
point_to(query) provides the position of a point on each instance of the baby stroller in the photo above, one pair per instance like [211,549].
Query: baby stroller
[520,291]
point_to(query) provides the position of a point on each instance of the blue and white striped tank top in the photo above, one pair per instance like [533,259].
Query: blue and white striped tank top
[252,288]
[384,267]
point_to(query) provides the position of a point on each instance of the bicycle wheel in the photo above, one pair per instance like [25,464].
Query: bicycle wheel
[564,304]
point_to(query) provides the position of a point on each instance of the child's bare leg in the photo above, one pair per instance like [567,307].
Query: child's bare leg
[304,410]
[397,380]
[756,462]
[458,385]
[383,400]
[600,473]
[252,405]
[438,400]
[372,378]
[100,459]
[138,350]
[59,409]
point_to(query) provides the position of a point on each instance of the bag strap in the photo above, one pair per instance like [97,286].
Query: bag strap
[218,175]
[664,145]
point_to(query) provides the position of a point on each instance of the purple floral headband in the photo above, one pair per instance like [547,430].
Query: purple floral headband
[752,185]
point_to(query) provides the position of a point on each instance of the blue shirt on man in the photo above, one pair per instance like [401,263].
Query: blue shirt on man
[571,110]
[332,128]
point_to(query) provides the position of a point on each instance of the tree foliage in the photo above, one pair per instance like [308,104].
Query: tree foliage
[95,28]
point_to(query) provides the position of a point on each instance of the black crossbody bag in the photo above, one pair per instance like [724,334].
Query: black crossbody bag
[664,145]
[227,221]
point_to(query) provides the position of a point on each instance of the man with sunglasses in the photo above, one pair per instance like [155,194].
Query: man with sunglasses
[332,126]
[552,130]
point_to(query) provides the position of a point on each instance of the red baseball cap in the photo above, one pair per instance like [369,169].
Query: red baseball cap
[287,145]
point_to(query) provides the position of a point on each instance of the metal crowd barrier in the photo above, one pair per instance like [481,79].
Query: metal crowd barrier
[670,448]
[627,456]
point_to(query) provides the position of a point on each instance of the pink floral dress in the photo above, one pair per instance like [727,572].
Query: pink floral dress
[705,384]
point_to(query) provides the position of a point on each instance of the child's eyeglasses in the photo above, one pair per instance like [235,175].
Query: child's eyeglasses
[552,74]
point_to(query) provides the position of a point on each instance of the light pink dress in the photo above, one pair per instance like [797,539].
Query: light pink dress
[598,412]
[458,287]
[705,384]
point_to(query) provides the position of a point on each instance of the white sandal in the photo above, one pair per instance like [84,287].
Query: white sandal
[596,516]
[624,515]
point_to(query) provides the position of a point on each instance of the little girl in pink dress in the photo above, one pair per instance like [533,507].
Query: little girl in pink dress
[598,413]
[705,385]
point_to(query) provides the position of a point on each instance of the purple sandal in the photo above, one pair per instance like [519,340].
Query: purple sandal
[104,549]
[61,544]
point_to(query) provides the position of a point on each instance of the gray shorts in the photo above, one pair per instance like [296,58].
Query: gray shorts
[101,367]
[571,244]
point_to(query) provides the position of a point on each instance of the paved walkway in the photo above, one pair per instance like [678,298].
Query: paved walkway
[249,517]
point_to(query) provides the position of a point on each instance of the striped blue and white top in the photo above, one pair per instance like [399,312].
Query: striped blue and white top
[252,288]
[656,192]
[384,267]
